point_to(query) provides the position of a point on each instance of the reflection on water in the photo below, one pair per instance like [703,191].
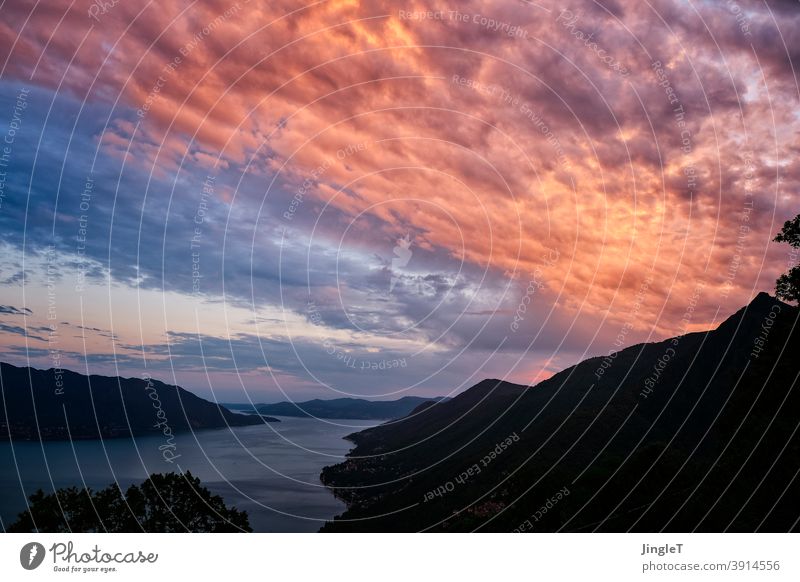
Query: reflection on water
[272,471]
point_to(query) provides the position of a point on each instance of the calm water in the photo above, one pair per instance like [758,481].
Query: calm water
[272,471]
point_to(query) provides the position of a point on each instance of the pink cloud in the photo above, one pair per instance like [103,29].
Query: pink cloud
[496,147]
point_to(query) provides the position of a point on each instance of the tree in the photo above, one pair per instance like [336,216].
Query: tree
[787,286]
[175,502]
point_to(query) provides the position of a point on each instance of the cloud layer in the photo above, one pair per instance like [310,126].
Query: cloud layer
[557,172]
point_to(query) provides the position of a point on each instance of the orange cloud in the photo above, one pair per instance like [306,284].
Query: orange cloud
[496,147]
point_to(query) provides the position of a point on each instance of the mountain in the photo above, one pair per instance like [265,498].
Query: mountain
[350,408]
[695,433]
[58,404]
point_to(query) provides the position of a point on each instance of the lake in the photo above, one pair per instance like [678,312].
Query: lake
[270,471]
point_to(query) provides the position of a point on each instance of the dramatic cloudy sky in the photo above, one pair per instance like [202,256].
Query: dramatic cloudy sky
[385,198]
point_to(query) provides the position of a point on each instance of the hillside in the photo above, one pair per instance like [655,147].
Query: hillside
[54,405]
[347,408]
[697,432]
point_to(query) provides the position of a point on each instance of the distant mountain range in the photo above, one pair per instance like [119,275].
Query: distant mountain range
[347,408]
[695,433]
[58,404]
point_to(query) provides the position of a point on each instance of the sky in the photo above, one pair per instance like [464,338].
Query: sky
[278,200]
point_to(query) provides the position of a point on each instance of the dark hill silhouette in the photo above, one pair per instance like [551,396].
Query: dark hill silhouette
[100,406]
[352,408]
[164,503]
[698,432]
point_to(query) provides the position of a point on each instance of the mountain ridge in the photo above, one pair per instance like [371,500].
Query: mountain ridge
[59,404]
[632,445]
[348,408]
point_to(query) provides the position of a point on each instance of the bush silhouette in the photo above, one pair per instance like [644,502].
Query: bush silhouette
[172,502]
[787,287]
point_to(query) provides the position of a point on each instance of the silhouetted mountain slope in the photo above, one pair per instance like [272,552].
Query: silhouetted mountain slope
[59,404]
[353,408]
[696,432]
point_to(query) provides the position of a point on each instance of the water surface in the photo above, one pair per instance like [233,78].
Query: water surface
[271,471]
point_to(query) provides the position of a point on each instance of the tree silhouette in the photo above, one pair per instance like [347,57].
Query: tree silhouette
[175,502]
[787,286]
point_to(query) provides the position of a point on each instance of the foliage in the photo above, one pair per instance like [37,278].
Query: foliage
[787,287]
[172,502]
[790,233]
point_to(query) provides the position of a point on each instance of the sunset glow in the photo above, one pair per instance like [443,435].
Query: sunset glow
[268,200]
